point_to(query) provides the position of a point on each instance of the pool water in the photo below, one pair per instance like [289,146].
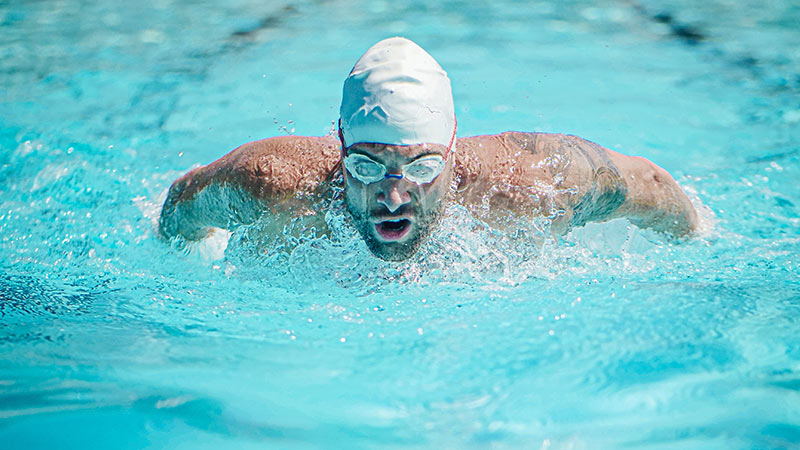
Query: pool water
[610,338]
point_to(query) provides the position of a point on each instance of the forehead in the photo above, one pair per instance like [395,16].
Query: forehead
[397,151]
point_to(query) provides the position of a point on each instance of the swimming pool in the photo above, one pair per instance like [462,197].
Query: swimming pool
[612,338]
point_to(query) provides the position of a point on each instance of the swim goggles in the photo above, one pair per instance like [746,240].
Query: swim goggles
[420,171]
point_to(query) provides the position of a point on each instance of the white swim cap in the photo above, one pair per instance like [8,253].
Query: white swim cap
[397,94]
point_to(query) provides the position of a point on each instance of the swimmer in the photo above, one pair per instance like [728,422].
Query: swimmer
[400,164]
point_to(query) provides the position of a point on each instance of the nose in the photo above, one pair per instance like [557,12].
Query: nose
[393,195]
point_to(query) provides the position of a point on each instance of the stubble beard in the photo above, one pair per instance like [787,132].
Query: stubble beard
[424,225]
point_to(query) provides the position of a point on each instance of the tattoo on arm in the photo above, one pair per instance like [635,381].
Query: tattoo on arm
[522,141]
[608,190]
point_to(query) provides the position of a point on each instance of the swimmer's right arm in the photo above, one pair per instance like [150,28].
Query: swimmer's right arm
[208,197]
[238,188]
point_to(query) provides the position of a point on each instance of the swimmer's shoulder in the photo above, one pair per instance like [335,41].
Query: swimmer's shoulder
[282,165]
[513,142]
[492,155]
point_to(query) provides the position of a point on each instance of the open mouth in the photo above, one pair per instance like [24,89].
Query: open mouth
[392,230]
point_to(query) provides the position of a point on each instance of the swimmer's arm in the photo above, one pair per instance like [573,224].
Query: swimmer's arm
[654,199]
[208,197]
[258,177]
[610,185]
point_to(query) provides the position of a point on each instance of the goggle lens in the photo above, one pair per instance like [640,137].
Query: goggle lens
[420,171]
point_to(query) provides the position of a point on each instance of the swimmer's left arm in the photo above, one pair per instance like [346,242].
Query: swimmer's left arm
[610,185]
[654,199]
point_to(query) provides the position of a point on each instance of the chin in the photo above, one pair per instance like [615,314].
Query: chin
[393,251]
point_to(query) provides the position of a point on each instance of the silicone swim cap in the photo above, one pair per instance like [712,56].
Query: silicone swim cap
[397,94]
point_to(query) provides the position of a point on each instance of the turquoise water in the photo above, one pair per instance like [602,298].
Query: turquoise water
[611,338]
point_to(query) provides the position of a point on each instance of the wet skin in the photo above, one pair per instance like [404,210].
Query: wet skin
[513,175]
[394,216]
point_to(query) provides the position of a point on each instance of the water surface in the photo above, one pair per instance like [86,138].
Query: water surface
[611,338]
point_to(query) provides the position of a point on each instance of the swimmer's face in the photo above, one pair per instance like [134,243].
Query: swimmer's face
[395,215]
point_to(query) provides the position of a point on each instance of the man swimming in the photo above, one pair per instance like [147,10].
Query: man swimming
[399,163]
